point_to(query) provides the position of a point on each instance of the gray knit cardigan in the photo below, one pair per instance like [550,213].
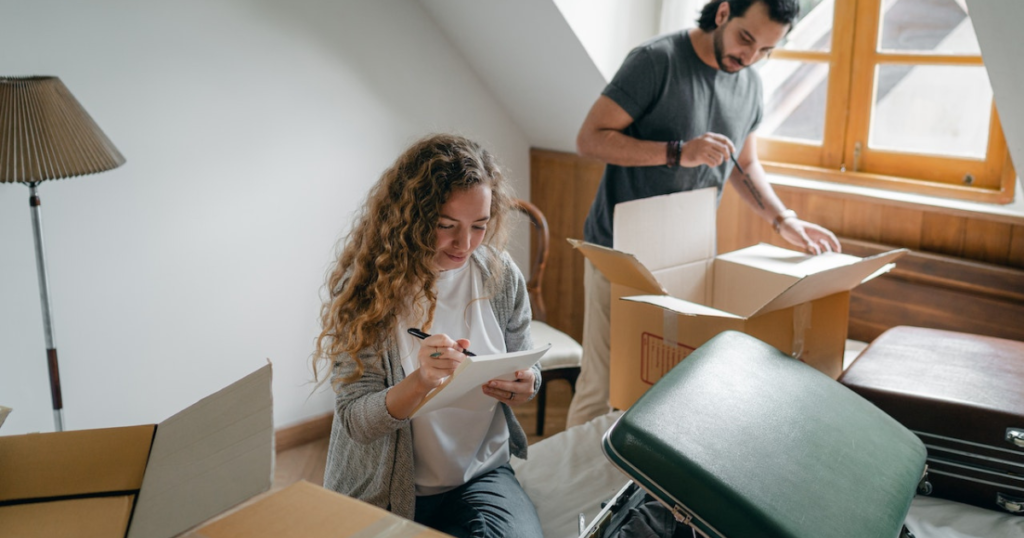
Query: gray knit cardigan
[370,456]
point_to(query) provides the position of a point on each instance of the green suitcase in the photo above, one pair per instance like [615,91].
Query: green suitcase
[741,440]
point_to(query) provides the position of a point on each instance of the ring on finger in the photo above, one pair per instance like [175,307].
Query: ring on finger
[436,353]
[511,395]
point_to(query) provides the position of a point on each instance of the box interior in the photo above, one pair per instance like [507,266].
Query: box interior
[61,464]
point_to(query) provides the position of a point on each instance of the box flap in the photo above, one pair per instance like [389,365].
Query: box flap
[304,510]
[41,465]
[208,458]
[831,281]
[668,231]
[691,282]
[619,267]
[680,306]
[787,262]
[743,288]
[95,517]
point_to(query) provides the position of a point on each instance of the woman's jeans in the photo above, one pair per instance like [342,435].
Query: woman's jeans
[491,505]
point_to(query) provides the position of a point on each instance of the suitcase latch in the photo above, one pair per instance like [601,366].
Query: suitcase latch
[681,515]
[1013,505]
[1015,436]
[924,487]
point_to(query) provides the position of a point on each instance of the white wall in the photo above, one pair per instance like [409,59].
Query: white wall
[609,29]
[252,129]
[530,59]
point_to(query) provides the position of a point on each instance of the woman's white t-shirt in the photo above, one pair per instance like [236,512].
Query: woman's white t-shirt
[452,446]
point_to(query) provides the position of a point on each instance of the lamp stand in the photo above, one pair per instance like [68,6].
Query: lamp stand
[44,299]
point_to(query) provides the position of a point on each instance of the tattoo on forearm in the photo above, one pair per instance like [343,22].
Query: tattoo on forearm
[756,194]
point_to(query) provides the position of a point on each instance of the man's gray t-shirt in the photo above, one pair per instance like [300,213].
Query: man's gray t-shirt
[672,95]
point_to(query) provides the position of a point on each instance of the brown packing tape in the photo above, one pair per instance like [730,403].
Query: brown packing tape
[801,322]
[670,327]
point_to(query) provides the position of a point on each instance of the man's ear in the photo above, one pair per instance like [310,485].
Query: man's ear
[723,13]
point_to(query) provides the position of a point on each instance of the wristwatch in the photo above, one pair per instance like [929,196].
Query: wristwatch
[777,223]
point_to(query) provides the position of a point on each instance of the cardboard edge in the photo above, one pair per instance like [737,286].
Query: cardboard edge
[645,280]
[866,268]
[154,506]
[679,306]
[892,256]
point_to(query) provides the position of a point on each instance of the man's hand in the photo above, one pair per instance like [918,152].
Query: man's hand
[711,149]
[810,237]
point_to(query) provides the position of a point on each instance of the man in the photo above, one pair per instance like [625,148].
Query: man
[677,111]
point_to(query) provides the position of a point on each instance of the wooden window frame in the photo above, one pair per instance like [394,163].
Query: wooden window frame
[853,58]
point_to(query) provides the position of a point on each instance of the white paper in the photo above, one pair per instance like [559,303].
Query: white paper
[464,389]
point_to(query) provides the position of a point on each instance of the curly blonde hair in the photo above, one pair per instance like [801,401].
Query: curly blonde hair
[387,269]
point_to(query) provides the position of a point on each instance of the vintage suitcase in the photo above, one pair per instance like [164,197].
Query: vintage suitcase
[963,395]
[741,440]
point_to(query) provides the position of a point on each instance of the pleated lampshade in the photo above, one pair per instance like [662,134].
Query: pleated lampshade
[46,134]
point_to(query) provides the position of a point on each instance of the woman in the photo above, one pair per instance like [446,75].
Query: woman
[428,253]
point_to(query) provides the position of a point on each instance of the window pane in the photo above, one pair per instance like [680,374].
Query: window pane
[938,26]
[794,99]
[937,109]
[813,29]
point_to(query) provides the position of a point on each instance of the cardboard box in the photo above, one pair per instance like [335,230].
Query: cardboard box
[304,510]
[152,481]
[670,293]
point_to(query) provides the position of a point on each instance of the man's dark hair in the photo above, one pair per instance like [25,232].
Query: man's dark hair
[780,11]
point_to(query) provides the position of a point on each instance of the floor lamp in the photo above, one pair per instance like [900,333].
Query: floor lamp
[46,134]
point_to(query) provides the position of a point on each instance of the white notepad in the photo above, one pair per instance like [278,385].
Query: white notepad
[464,388]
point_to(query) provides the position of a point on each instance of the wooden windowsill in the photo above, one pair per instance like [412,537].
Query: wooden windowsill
[1012,213]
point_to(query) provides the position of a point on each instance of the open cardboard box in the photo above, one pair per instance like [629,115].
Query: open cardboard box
[152,481]
[670,293]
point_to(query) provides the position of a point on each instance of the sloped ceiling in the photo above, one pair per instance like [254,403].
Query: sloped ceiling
[531,60]
[998,26]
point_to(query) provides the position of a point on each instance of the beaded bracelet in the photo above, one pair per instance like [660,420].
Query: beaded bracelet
[785,215]
[673,152]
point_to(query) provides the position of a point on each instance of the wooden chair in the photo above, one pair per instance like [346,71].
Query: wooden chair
[562,361]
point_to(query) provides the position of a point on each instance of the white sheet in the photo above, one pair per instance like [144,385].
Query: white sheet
[568,473]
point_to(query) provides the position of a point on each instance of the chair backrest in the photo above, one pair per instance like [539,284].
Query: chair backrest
[538,255]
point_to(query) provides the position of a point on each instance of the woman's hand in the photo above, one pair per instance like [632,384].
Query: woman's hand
[439,356]
[512,392]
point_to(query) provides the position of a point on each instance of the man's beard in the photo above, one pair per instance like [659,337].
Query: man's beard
[720,52]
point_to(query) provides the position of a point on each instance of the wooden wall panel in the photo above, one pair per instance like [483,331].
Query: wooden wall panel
[943,233]
[937,291]
[827,212]
[563,187]
[988,241]
[901,226]
[1016,257]
[861,220]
